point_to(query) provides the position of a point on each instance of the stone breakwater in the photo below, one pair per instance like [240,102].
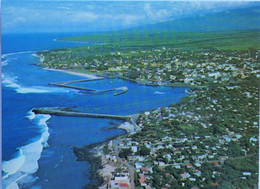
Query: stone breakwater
[93,91]
[78,114]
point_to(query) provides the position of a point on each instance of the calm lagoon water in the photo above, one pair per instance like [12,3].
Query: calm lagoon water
[37,149]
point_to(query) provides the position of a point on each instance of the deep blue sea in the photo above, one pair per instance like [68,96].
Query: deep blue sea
[37,149]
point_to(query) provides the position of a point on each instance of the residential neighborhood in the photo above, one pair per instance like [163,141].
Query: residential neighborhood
[121,94]
[181,146]
[164,66]
[207,140]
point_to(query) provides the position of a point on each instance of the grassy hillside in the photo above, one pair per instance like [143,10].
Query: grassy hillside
[236,30]
[238,19]
[234,40]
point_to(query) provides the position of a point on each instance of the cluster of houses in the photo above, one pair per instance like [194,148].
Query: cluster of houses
[186,137]
[116,179]
[120,180]
[163,66]
[175,157]
[186,154]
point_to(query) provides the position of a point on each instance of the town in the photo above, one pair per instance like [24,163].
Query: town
[171,67]
[207,140]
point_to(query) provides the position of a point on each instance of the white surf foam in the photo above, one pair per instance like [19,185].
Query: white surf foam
[23,52]
[12,166]
[21,168]
[31,115]
[4,63]
[11,82]
[26,90]
[13,186]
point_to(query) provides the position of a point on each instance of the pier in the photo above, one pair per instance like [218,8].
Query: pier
[75,81]
[78,114]
[88,90]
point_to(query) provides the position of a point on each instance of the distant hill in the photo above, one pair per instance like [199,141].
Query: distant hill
[233,29]
[238,19]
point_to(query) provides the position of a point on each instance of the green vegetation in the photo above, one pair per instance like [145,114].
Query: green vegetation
[164,66]
[106,150]
[226,40]
[227,30]
[210,138]
[124,153]
[143,151]
[222,146]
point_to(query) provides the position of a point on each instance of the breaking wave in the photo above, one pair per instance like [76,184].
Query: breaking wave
[20,169]
[12,83]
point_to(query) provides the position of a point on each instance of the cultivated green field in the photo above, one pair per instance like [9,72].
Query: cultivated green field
[226,40]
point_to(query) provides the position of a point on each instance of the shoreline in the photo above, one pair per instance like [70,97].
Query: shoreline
[102,165]
[96,153]
[107,168]
[95,76]
[93,153]
[103,75]
[75,41]
[90,76]
[110,166]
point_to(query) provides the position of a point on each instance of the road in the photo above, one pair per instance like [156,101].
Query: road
[131,169]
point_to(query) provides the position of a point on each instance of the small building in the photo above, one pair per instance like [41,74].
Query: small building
[246,173]
[142,180]
[216,163]
[214,183]
[197,164]
[177,166]
[134,148]
[147,113]
[185,175]
[138,166]
[189,80]
[124,186]
[144,170]
[192,179]
[197,172]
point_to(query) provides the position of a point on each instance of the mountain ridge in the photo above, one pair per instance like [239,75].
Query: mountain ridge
[235,19]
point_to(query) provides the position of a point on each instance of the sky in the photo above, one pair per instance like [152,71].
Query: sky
[92,16]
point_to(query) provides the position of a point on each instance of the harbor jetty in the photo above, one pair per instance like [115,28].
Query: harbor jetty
[74,81]
[78,114]
[88,90]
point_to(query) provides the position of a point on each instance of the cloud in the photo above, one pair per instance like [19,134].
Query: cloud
[66,8]
[148,9]
[101,15]
[129,19]
[82,17]
[156,13]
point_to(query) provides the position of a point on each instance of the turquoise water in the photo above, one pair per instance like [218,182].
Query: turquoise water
[37,150]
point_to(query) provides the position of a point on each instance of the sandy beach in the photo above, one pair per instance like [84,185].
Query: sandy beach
[90,76]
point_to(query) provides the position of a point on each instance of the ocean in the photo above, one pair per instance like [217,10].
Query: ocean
[37,149]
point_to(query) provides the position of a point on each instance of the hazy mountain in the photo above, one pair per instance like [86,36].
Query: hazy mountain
[238,19]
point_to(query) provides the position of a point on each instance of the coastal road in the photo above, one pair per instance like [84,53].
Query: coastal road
[131,169]
[132,175]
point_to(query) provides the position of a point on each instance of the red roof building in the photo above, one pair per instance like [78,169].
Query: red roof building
[216,163]
[123,186]
[189,165]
